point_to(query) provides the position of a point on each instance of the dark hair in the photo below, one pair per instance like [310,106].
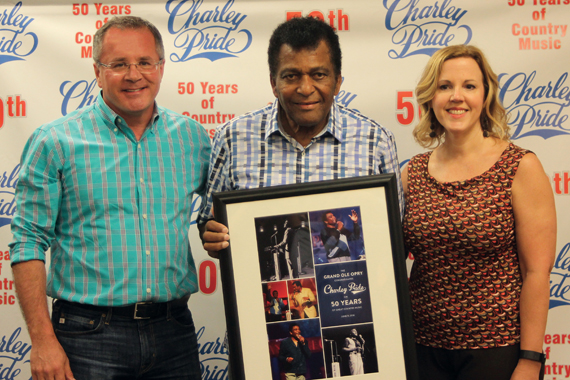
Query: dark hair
[303,33]
[298,283]
[324,216]
[126,22]
[292,326]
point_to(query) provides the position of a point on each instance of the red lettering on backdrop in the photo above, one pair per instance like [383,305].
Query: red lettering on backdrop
[208,88]
[207,277]
[14,107]
[337,19]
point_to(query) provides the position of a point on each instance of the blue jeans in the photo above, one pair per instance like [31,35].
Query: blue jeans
[102,346]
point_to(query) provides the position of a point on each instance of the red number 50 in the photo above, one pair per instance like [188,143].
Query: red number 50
[405,108]
[207,277]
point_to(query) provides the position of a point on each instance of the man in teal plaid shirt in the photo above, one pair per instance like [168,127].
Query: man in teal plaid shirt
[109,189]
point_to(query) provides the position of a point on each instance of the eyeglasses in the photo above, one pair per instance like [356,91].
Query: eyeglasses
[143,67]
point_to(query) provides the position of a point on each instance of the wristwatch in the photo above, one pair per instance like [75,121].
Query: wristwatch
[532,355]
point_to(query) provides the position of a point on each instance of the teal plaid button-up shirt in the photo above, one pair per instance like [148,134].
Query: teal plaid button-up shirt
[114,211]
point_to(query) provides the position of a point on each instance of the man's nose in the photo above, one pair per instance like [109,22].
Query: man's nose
[306,86]
[133,73]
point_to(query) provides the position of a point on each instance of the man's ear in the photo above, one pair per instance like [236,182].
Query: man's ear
[97,74]
[338,84]
[273,85]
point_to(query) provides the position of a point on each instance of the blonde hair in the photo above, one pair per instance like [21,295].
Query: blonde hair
[494,116]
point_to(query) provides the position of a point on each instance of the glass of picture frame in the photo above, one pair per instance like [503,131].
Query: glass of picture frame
[317,268]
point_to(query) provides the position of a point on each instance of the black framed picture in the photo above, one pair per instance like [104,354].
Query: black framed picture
[315,281]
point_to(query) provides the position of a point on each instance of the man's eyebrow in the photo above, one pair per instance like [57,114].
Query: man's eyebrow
[295,70]
[289,70]
[123,59]
[320,68]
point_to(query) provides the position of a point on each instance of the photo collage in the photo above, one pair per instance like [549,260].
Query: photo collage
[316,296]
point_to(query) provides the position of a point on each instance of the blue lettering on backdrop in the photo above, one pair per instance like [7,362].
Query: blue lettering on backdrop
[535,110]
[7,203]
[195,209]
[344,97]
[13,351]
[214,367]
[14,42]
[211,34]
[560,279]
[80,89]
[423,30]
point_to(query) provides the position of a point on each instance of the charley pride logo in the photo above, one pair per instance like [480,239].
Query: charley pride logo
[424,29]
[13,352]
[344,97]
[560,279]
[77,95]
[213,357]
[8,181]
[352,287]
[206,33]
[15,41]
[536,108]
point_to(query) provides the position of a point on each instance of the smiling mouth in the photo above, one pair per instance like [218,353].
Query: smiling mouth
[306,104]
[134,89]
[456,112]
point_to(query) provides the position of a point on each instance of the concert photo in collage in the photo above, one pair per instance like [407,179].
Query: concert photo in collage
[316,295]
[284,247]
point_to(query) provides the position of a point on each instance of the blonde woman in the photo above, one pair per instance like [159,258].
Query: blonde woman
[481,224]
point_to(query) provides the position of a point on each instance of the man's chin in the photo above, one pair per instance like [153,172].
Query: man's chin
[310,124]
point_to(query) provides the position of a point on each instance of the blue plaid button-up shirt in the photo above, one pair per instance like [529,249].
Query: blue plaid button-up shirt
[251,152]
[114,211]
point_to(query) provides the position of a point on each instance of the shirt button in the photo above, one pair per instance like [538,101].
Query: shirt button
[142,181]
[148,290]
[144,216]
[147,252]
[115,130]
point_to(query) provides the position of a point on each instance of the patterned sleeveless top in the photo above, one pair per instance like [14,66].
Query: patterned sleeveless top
[465,282]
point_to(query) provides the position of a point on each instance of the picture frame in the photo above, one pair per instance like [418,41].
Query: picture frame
[327,257]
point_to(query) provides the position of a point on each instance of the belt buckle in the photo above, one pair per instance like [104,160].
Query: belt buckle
[135,316]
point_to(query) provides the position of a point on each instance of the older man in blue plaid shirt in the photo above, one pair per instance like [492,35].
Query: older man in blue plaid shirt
[304,136]
[109,189]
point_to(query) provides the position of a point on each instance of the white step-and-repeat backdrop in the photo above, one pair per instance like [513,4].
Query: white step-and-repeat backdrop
[216,68]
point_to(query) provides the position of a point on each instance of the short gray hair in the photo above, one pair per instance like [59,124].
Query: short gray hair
[126,22]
